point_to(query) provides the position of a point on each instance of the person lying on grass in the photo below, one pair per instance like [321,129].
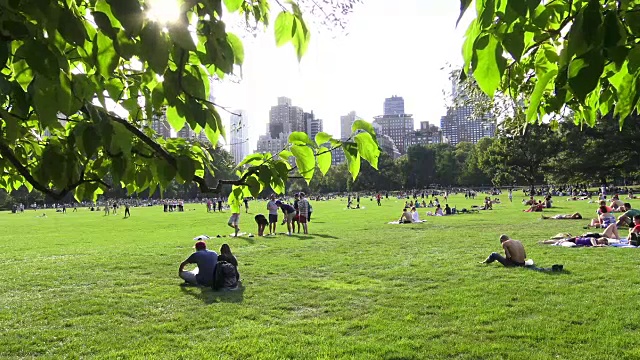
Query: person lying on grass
[513,250]
[575,216]
[206,261]
[580,241]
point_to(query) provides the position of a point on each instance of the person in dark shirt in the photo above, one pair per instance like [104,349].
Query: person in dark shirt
[262,222]
[206,261]
[289,213]
[226,255]
[447,210]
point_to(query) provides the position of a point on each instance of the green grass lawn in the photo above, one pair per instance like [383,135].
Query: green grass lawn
[86,285]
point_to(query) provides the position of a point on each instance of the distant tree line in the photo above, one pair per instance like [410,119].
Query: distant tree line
[558,153]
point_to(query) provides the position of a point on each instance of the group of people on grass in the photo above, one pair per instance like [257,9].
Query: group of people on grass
[299,213]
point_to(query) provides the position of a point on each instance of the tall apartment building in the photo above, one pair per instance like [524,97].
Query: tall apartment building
[394,105]
[345,125]
[460,125]
[186,132]
[427,134]
[161,126]
[397,127]
[239,136]
[284,119]
[312,125]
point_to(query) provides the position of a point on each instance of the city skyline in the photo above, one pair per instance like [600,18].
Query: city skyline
[355,71]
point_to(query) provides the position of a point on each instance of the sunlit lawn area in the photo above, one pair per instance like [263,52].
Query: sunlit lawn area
[86,285]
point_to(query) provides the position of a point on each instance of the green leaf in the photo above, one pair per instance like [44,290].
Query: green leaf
[251,159]
[23,73]
[129,13]
[363,125]
[90,141]
[300,138]
[301,38]
[157,96]
[464,5]
[489,64]
[186,168]
[105,54]
[211,134]
[368,148]
[322,138]
[353,158]
[42,60]
[536,95]
[104,24]
[180,34]
[283,26]
[121,140]
[305,161]
[615,33]
[519,7]
[254,185]
[45,103]
[175,120]
[71,28]
[324,160]
[4,53]
[155,47]
[285,155]
[467,48]
[584,74]
[238,48]
[166,173]
[233,5]
[625,85]
[514,42]
[634,59]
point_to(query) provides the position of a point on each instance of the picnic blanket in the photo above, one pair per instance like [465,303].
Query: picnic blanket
[399,223]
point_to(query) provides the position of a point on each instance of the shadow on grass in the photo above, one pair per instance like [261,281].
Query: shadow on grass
[209,296]
[313,236]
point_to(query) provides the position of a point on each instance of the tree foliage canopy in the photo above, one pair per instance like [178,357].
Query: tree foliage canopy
[107,70]
[557,56]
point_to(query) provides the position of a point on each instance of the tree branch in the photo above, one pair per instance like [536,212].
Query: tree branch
[6,153]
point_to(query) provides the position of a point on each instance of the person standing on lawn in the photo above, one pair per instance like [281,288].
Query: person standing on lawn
[303,212]
[289,213]
[513,250]
[273,214]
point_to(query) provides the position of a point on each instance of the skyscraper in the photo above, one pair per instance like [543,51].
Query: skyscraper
[186,133]
[312,125]
[239,136]
[161,126]
[397,127]
[283,120]
[345,125]
[394,105]
[460,125]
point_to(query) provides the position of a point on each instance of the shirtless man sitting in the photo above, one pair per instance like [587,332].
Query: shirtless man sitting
[513,250]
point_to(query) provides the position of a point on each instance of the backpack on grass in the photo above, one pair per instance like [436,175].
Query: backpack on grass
[224,276]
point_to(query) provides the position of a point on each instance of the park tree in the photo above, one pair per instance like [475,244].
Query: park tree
[81,82]
[556,57]
[521,157]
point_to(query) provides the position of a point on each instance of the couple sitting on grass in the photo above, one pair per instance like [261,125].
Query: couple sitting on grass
[409,217]
[217,271]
